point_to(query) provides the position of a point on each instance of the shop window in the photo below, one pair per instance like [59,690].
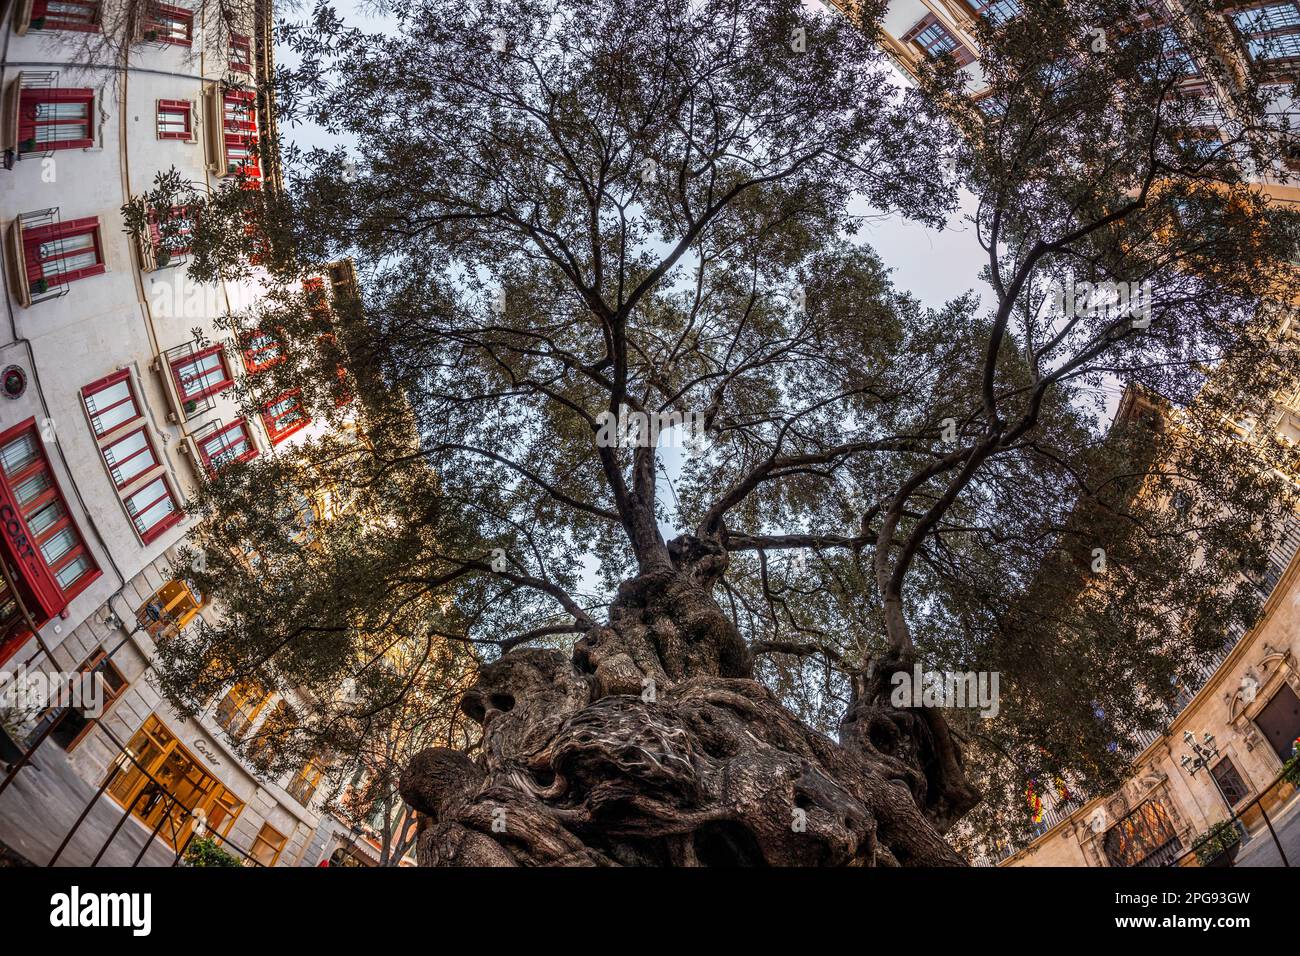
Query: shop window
[268,846]
[167,788]
[73,722]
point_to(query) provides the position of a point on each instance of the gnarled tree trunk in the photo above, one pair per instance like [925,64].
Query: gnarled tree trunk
[652,744]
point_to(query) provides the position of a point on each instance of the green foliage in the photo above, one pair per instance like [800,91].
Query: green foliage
[1215,841]
[658,208]
[205,851]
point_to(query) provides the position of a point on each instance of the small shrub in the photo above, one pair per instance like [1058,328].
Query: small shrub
[205,852]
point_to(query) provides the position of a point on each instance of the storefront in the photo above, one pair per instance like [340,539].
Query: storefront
[44,552]
[163,767]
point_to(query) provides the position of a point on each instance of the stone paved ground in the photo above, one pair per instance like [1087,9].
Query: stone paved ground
[40,807]
[1262,851]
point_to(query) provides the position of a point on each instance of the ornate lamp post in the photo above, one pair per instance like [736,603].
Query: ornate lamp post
[1203,752]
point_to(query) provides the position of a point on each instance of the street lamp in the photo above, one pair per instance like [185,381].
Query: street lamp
[1206,750]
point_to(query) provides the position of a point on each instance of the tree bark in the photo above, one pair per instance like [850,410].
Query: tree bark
[652,745]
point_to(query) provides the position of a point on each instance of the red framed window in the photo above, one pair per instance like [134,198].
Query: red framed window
[63,252]
[130,456]
[180,225]
[284,415]
[234,442]
[80,15]
[111,403]
[261,351]
[55,119]
[169,24]
[175,119]
[202,374]
[153,508]
[40,539]
[239,133]
[241,54]
[935,40]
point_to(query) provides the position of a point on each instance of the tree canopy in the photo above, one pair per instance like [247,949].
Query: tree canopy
[565,212]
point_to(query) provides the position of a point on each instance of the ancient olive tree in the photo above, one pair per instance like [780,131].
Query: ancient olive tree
[627,413]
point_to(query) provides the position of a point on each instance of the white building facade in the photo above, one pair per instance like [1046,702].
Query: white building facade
[117,401]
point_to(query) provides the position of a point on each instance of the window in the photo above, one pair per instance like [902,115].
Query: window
[164,781]
[62,252]
[169,237]
[175,119]
[261,351]
[239,134]
[137,471]
[234,442]
[935,40]
[40,542]
[129,457]
[110,402]
[169,24]
[1271,32]
[241,54]
[153,509]
[172,607]
[55,119]
[240,707]
[80,15]
[1231,785]
[305,782]
[997,11]
[75,723]
[268,846]
[284,415]
[202,374]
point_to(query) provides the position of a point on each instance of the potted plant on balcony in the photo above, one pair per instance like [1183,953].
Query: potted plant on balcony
[191,406]
[40,287]
[38,23]
[1218,845]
